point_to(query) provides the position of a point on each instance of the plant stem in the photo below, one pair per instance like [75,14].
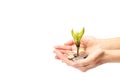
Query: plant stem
[77,51]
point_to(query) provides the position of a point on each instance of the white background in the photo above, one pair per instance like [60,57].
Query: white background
[29,29]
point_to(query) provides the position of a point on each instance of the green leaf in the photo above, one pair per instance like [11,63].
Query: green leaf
[77,36]
[73,34]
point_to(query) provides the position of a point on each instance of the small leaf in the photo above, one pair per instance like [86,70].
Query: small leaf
[77,36]
[81,33]
[73,34]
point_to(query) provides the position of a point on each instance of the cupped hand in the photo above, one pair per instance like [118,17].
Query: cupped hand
[92,49]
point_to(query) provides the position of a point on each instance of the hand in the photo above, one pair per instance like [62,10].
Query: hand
[68,46]
[93,49]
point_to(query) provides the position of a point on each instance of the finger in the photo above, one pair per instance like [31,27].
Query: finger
[63,47]
[71,42]
[86,40]
[82,51]
[82,45]
[88,67]
[81,68]
[56,57]
[83,39]
[92,64]
[84,62]
[64,58]
[90,59]
[95,55]
[84,69]
[64,51]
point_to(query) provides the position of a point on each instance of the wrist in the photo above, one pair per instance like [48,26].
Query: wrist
[110,43]
[112,55]
[106,57]
[104,44]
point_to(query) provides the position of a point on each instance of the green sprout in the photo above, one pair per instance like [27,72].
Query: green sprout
[77,37]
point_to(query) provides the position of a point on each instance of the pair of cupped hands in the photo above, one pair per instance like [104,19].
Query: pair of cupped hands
[92,48]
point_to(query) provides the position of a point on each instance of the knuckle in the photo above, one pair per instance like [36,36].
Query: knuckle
[83,69]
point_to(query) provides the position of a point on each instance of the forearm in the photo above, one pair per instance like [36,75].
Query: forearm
[111,56]
[110,44]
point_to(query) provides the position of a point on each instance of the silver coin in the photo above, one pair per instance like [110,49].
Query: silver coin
[78,58]
[73,56]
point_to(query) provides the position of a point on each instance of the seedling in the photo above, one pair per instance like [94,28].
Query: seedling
[77,37]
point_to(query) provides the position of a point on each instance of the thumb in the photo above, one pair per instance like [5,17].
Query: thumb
[69,43]
[92,57]
[83,42]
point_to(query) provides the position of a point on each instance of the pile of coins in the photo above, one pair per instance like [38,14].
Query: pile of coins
[74,57]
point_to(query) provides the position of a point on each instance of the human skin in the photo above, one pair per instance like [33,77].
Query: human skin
[99,51]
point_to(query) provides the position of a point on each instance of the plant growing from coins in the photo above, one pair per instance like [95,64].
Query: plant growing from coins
[77,37]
